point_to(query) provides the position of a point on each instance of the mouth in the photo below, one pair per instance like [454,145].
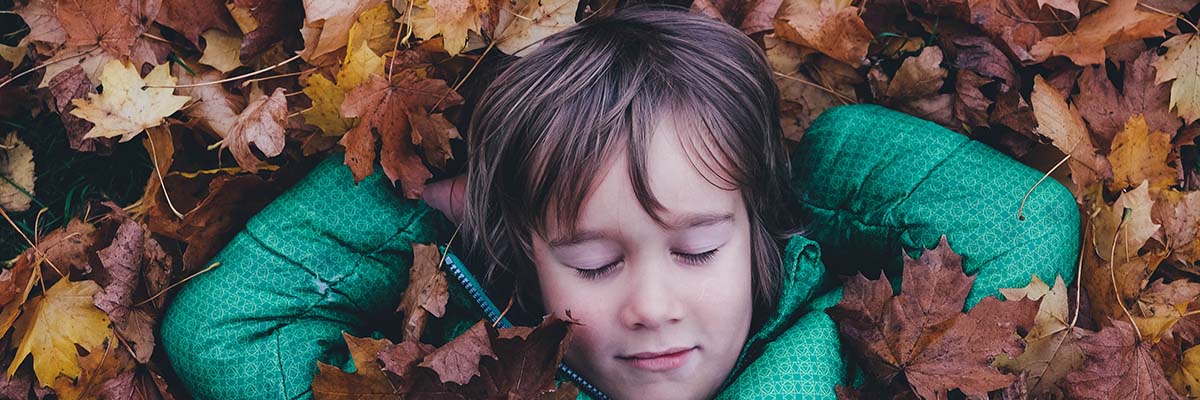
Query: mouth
[659,361]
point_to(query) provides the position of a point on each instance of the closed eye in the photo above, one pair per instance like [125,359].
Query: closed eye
[698,258]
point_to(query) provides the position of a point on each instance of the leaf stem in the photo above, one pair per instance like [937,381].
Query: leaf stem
[17,76]
[1020,209]
[173,285]
[217,82]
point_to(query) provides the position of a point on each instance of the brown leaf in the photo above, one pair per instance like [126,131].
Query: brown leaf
[43,24]
[1051,348]
[458,361]
[69,85]
[337,17]
[367,381]
[401,358]
[1064,126]
[1141,155]
[832,27]
[212,106]
[1118,366]
[387,111]
[99,23]
[1120,21]
[192,17]
[275,21]
[261,124]
[1179,214]
[426,292]
[1106,109]
[922,333]
[752,17]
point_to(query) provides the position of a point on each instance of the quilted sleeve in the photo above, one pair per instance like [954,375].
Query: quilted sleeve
[325,257]
[871,180]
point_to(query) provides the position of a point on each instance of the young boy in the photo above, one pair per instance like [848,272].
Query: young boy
[629,173]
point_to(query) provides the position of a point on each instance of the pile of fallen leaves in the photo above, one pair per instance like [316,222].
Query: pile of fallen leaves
[232,101]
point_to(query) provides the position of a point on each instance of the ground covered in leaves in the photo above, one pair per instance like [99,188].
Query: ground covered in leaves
[138,136]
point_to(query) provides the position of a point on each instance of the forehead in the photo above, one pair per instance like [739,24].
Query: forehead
[679,173]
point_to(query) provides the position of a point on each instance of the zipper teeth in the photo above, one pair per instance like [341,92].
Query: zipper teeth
[494,315]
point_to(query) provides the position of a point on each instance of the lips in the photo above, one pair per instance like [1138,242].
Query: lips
[661,360]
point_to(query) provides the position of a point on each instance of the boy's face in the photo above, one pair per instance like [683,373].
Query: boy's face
[665,311]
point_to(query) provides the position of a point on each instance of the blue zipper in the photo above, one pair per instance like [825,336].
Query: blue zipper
[464,277]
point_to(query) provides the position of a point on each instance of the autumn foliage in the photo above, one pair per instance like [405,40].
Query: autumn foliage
[232,100]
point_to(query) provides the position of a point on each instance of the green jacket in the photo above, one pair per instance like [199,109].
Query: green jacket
[329,256]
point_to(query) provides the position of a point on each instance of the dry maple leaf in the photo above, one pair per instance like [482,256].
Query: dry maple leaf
[53,324]
[426,292]
[273,22]
[387,111]
[1118,366]
[1187,379]
[366,381]
[338,17]
[922,333]
[221,51]
[832,27]
[1161,305]
[1139,155]
[458,361]
[1179,214]
[43,24]
[1064,126]
[327,97]
[214,107]
[451,19]
[127,107]
[529,21]
[16,167]
[193,17]
[1106,109]
[1051,346]
[1181,63]
[102,23]
[96,370]
[1120,21]
[261,124]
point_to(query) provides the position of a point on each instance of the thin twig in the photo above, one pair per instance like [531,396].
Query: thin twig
[1020,209]
[173,285]
[17,76]
[249,81]
[841,97]
[31,245]
[464,78]
[157,172]
[217,82]
[1112,270]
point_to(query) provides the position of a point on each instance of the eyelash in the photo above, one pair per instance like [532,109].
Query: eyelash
[597,273]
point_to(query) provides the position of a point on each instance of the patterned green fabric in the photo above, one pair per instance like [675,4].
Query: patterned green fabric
[329,256]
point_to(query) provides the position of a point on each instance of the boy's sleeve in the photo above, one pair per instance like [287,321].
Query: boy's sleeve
[325,257]
[870,180]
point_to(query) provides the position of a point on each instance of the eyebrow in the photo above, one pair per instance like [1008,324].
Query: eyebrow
[687,221]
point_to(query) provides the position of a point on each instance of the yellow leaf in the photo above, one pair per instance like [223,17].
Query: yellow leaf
[1138,155]
[327,97]
[127,107]
[326,101]
[1182,64]
[1064,126]
[221,50]
[450,18]
[376,26]
[529,21]
[1187,378]
[1130,229]
[53,324]
[16,166]
[338,17]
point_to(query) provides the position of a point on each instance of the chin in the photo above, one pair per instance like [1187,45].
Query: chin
[663,391]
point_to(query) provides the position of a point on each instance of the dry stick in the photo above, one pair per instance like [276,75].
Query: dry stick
[290,116]
[396,44]
[840,97]
[1020,209]
[464,78]
[217,82]
[173,285]
[17,76]
[158,173]
[249,81]
[505,312]
[31,245]
[1112,269]
[157,38]
[1177,16]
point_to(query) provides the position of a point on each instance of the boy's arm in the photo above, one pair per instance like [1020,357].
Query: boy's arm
[871,180]
[325,257]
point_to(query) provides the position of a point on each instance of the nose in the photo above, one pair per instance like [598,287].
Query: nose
[654,297]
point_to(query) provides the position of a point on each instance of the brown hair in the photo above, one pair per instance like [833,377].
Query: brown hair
[553,118]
